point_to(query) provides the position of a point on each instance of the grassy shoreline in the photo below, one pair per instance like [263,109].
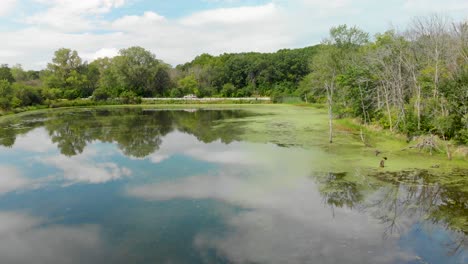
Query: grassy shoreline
[145,102]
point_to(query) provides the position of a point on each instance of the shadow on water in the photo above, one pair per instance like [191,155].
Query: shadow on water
[400,199]
[137,132]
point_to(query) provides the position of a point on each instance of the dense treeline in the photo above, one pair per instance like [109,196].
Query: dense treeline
[136,72]
[246,74]
[415,81]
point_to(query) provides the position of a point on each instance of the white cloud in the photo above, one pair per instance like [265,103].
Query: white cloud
[6,6]
[132,22]
[263,28]
[83,7]
[232,15]
[327,3]
[437,5]
[101,53]
[173,41]
[10,53]
[72,15]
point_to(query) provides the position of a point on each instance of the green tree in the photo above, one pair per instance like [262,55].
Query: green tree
[100,94]
[332,60]
[6,94]
[188,85]
[18,73]
[26,95]
[66,71]
[5,73]
[138,70]
[108,77]
[129,97]
[175,93]
[64,63]
[52,93]
[228,90]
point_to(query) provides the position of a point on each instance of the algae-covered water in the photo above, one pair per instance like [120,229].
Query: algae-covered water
[255,184]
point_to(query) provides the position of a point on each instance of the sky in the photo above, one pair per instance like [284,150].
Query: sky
[179,30]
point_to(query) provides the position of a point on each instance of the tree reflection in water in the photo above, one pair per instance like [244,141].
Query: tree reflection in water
[399,200]
[337,190]
[440,199]
[137,132]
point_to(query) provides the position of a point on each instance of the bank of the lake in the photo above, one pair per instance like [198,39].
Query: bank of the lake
[88,102]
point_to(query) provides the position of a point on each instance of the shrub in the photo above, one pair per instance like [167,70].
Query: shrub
[6,94]
[129,97]
[175,93]
[71,94]
[26,95]
[52,93]
[100,95]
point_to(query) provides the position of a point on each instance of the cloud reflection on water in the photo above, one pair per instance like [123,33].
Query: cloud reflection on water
[182,143]
[284,218]
[82,168]
[28,239]
[12,180]
[37,140]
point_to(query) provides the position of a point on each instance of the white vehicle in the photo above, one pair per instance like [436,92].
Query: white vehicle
[190,96]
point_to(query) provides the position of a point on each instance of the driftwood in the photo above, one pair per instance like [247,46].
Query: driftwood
[426,143]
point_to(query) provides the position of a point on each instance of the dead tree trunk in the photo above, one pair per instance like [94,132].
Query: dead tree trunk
[387,103]
[330,87]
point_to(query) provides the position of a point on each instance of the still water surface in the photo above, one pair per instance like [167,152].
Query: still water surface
[138,186]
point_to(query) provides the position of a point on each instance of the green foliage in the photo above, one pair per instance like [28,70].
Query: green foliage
[249,73]
[6,94]
[69,73]
[26,95]
[346,38]
[100,94]
[188,85]
[63,70]
[129,97]
[71,94]
[5,73]
[357,89]
[176,93]
[52,93]
[228,90]
[136,70]
[462,136]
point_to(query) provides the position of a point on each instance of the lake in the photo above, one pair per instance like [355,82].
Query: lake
[135,185]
